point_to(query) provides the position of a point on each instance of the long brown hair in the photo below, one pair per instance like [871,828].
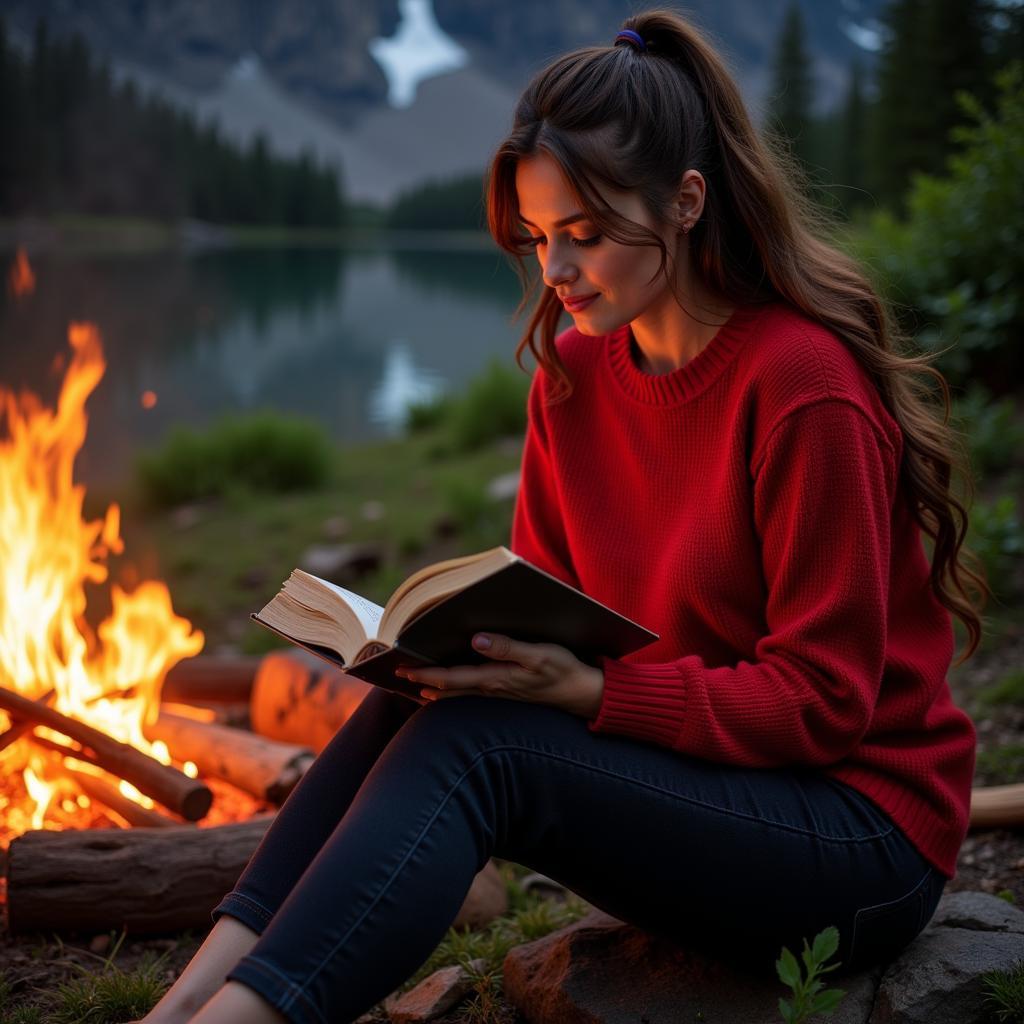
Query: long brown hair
[633,121]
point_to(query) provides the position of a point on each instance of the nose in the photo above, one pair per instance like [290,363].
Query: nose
[558,269]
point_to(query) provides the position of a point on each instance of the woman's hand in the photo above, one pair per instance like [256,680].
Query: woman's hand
[540,673]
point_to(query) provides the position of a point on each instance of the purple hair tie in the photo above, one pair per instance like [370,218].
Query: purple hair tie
[633,37]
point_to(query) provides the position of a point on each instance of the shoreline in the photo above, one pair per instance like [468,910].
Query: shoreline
[130,234]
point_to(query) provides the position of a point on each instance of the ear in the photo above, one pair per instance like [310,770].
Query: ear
[690,199]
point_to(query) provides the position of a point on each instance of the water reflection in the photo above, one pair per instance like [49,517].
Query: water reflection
[402,386]
[348,338]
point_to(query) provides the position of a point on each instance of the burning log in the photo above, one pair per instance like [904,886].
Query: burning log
[207,679]
[268,769]
[20,728]
[187,797]
[156,880]
[302,701]
[103,791]
[997,806]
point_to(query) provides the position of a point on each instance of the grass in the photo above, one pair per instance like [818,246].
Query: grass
[1008,690]
[219,573]
[108,994]
[1000,766]
[1004,992]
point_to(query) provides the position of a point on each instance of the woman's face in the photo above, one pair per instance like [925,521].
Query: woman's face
[576,260]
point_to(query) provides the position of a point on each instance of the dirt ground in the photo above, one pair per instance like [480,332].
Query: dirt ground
[990,861]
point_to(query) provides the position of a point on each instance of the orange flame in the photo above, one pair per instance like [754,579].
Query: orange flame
[48,552]
[148,399]
[21,281]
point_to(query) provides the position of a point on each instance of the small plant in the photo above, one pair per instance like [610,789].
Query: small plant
[1005,991]
[1006,894]
[807,995]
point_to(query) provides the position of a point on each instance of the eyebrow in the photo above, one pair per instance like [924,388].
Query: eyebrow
[571,219]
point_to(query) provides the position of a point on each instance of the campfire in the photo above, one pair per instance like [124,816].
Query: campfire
[119,806]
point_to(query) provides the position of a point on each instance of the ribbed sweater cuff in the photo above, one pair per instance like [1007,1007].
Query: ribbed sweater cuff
[643,701]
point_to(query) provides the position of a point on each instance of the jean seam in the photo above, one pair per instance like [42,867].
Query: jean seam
[914,890]
[293,992]
[252,904]
[560,757]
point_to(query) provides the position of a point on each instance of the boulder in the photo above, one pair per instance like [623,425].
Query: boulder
[603,971]
[342,563]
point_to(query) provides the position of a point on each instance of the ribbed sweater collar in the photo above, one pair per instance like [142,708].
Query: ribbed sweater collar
[688,381]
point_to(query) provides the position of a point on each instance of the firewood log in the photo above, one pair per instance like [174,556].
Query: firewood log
[303,700]
[156,879]
[188,797]
[268,769]
[145,879]
[997,806]
[211,679]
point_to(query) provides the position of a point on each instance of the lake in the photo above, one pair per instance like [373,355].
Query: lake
[347,336]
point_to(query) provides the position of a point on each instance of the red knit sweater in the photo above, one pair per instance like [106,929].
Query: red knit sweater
[747,507]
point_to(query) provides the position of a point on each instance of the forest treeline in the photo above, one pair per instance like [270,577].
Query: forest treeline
[76,141]
[894,121]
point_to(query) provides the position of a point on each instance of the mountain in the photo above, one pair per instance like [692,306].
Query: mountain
[352,79]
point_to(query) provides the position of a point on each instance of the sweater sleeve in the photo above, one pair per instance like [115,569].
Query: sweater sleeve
[538,534]
[824,484]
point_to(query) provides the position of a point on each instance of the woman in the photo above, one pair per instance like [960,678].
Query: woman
[725,447]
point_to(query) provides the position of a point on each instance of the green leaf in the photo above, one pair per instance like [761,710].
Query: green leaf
[788,969]
[786,1010]
[827,1001]
[825,944]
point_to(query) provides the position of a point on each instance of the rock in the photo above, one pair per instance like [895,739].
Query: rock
[184,517]
[445,526]
[504,487]
[603,971]
[341,562]
[979,912]
[937,979]
[336,527]
[433,996]
[537,882]
[99,944]
[373,510]
[487,899]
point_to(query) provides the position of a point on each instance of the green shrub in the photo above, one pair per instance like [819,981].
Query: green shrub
[957,261]
[493,406]
[423,416]
[261,452]
[996,535]
[995,438]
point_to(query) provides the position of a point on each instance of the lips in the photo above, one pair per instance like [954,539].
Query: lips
[574,304]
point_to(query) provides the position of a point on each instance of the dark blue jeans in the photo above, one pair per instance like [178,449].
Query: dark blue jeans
[370,858]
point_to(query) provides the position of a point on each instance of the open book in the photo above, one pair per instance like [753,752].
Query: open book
[431,618]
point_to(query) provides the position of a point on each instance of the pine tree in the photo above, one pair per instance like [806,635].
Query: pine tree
[851,163]
[790,113]
[933,49]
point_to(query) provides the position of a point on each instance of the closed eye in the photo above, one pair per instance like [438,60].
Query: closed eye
[580,242]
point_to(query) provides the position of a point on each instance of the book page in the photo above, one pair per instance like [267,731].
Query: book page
[368,613]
